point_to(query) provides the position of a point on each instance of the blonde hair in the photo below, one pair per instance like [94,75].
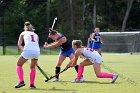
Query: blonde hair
[97,29]
[28,26]
[78,43]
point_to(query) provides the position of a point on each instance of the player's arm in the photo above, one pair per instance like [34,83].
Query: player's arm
[101,40]
[20,40]
[93,38]
[77,54]
[73,61]
[88,42]
[55,44]
[38,38]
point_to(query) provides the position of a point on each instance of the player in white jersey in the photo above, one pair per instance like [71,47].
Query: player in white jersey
[31,51]
[91,58]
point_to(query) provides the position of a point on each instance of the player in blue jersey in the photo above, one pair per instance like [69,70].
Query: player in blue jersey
[65,51]
[90,42]
[97,40]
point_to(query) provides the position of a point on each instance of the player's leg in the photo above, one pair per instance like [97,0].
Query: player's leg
[81,69]
[71,57]
[70,53]
[76,67]
[99,51]
[20,72]
[60,60]
[99,74]
[33,72]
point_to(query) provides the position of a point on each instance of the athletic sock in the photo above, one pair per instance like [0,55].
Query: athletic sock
[57,70]
[32,76]
[80,72]
[20,73]
[76,68]
[105,75]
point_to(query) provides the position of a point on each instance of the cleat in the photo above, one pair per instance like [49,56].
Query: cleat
[114,78]
[82,79]
[32,86]
[21,84]
[78,81]
[56,80]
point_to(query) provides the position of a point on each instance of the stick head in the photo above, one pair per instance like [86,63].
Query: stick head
[55,18]
[46,80]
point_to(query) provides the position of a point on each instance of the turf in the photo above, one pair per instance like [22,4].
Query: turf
[127,66]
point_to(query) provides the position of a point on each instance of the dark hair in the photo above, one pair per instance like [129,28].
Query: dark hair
[28,26]
[27,23]
[53,32]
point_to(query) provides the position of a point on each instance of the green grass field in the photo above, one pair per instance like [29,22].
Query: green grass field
[127,66]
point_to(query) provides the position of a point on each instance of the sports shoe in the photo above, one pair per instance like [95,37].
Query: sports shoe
[82,79]
[114,78]
[32,86]
[20,84]
[56,80]
[77,81]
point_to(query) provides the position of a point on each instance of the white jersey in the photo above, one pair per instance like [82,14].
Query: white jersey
[92,55]
[30,40]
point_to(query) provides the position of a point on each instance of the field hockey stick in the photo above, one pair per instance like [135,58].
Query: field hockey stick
[43,73]
[57,74]
[54,21]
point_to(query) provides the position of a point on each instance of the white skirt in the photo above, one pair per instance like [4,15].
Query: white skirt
[30,54]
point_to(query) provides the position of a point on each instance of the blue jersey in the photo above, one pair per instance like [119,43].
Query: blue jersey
[97,38]
[97,43]
[90,43]
[66,48]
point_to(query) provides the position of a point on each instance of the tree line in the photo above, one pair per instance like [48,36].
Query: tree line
[76,18]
